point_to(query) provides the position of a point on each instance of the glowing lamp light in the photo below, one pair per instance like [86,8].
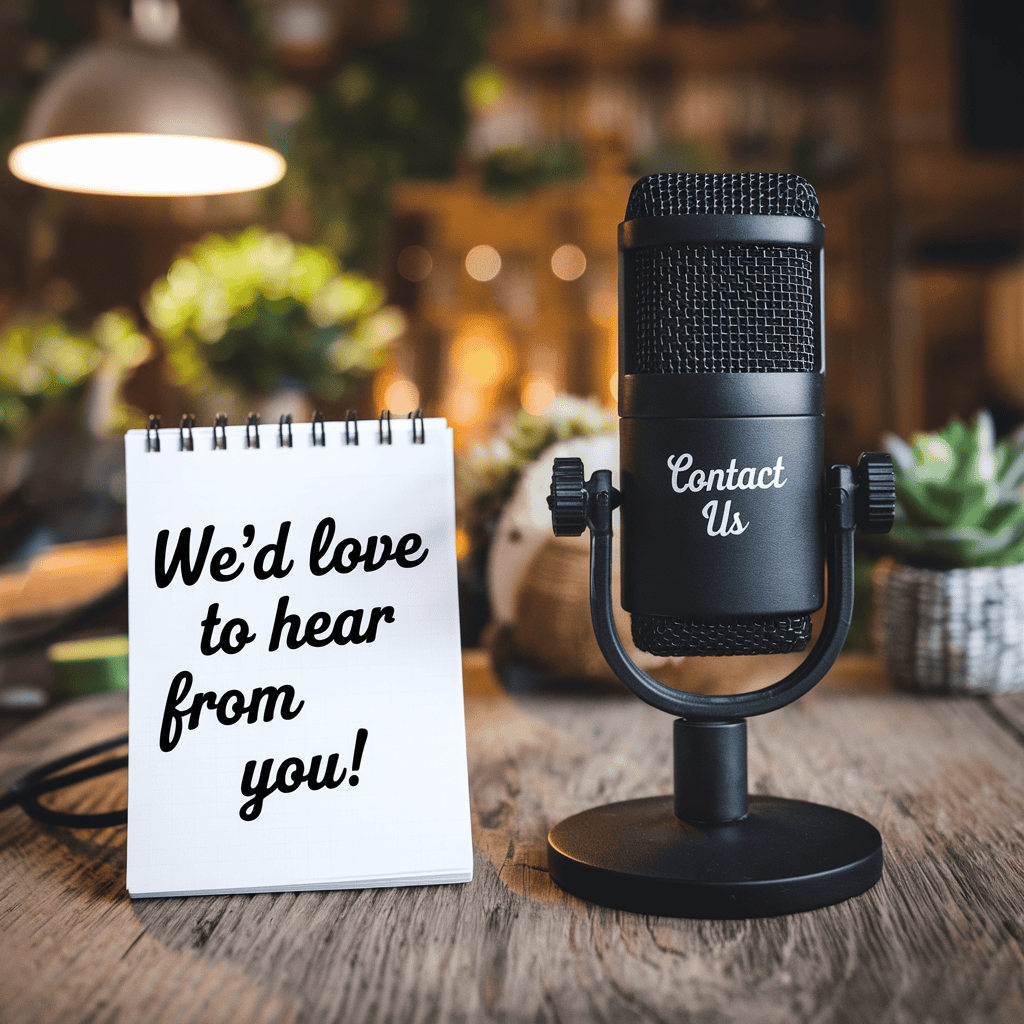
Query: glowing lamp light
[142,115]
[138,164]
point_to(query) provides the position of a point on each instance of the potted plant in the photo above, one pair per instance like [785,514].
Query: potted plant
[505,532]
[46,365]
[62,413]
[255,314]
[949,602]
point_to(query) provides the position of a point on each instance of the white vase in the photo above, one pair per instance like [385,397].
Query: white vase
[951,630]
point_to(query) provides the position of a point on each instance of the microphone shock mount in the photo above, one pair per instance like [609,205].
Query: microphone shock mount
[710,850]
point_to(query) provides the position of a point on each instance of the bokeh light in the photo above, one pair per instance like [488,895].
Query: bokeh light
[481,361]
[415,263]
[603,306]
[484,87]
[464,407]
[480,358]
[401,396]
[483,262]
[538,394]
[568,262]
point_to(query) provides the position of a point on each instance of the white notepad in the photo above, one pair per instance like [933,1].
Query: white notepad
[354,655]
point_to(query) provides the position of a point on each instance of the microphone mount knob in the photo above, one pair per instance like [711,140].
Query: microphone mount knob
[875,496]
[568,498]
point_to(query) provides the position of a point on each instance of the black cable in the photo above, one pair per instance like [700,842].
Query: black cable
[37,782]
[27,791]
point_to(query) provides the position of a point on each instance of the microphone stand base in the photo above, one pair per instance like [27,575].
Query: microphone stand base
[784,857]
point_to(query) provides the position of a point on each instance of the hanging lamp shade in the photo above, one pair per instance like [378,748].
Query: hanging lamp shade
[142,117]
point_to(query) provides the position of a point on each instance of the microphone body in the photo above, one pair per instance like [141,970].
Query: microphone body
[721,399]
[723,524]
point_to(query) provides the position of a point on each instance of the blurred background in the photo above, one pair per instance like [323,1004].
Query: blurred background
[444,234]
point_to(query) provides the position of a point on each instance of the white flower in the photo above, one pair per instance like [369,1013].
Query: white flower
[568,410]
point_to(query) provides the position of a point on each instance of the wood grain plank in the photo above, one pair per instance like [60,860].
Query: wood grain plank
[1009,709]
[63,577]
[938,940]
[945,785]
[73,947]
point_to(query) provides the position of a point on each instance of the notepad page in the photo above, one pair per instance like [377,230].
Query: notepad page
[253,677]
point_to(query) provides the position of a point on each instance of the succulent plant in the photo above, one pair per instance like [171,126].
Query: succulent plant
[959,496]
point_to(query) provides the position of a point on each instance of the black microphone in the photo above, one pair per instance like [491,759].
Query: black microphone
[726,519]
[721,399]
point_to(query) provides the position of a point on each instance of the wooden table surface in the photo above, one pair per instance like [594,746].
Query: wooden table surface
[939,939]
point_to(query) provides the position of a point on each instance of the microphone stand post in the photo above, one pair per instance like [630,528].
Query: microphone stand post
[710,851]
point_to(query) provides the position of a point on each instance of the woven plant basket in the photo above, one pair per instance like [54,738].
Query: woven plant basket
[951,630]
[553,626]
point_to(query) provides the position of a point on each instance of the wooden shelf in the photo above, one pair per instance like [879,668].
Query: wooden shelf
[829,48]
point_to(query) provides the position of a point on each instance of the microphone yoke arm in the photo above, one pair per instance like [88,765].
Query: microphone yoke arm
[865,499]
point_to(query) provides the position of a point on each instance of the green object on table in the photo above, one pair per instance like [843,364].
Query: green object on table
[91,666]
[958,497]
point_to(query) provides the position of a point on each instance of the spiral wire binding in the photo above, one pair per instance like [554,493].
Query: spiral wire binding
[153,444]
[188,421]
[281,442]
[253,421]
[417,416]
[186,440]
[221,421]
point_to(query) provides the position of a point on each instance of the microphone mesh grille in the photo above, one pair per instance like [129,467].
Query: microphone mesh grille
[666,195]
[723,309]
[669,638]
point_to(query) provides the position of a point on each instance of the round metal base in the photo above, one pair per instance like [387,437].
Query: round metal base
[786,856]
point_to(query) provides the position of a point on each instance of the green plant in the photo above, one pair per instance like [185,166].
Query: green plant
[394,108]
[488,474]
[518,170]
[258,312]
[959,496]
[45,364]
